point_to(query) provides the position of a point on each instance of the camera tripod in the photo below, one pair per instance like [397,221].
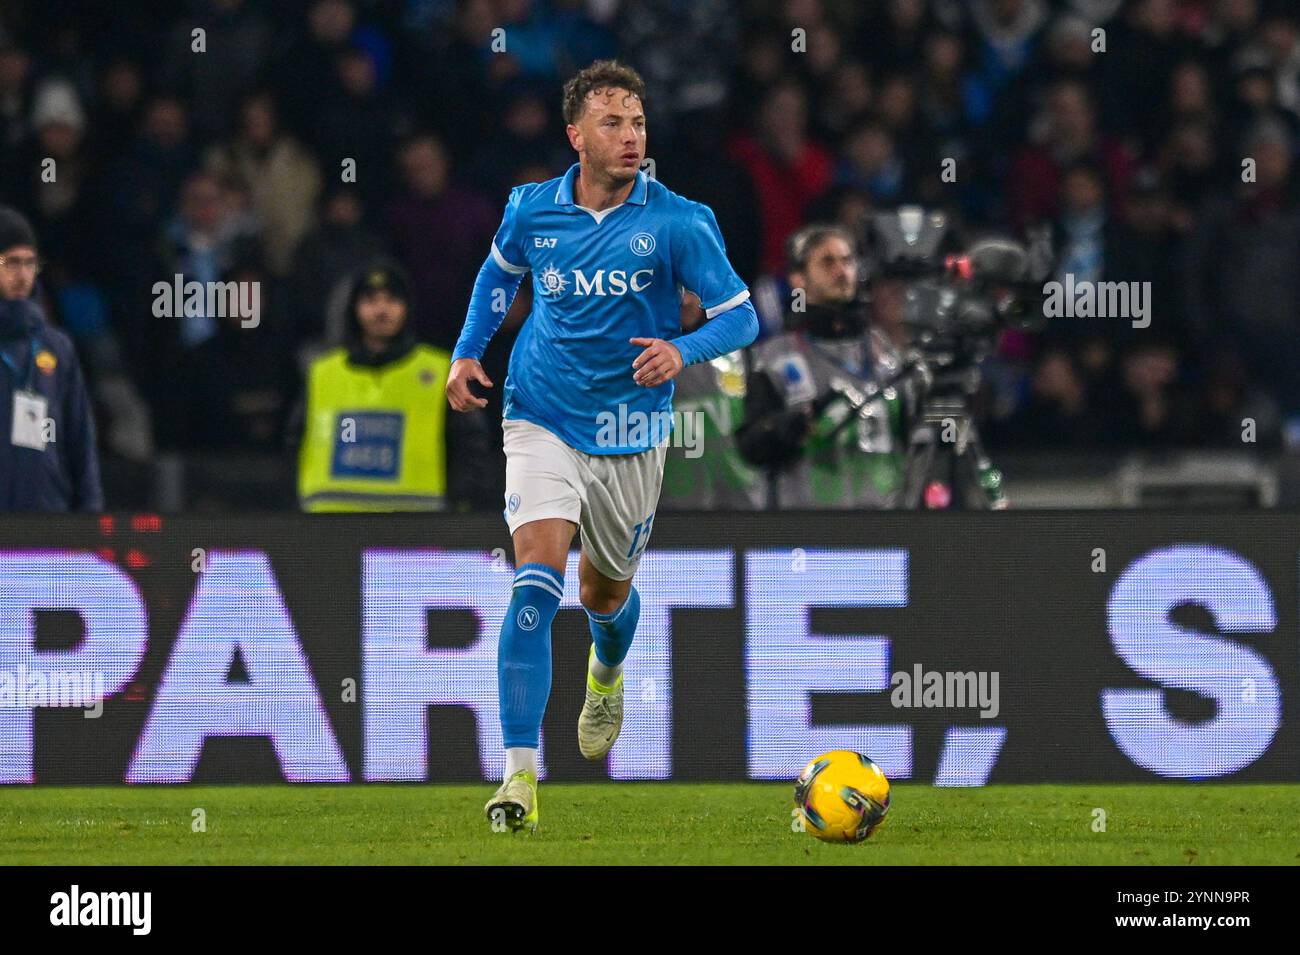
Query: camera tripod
[945,465]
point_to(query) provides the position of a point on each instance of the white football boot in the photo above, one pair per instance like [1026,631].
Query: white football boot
[602,715]
[514,805]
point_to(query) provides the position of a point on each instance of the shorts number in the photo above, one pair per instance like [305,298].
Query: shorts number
[640,537]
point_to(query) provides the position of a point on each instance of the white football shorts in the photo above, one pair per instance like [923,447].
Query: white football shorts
[611,497]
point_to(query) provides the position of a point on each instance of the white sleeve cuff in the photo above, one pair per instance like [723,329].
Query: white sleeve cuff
[501,261]
[729,304]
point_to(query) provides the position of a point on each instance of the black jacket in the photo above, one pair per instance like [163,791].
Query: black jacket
[65,476]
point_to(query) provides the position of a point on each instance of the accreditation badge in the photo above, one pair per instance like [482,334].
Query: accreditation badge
[31,410]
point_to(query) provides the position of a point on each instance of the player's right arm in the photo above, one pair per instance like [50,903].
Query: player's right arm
[494,289]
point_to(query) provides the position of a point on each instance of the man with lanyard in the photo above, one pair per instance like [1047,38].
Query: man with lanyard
[49,462]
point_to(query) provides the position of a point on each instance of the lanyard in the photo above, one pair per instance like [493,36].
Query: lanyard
[31,365]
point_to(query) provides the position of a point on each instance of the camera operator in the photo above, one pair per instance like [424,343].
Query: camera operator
[806,384]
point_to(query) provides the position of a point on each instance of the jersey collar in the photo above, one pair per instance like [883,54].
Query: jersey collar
[564,194]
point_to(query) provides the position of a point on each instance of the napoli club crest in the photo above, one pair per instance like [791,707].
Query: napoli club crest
[643,243]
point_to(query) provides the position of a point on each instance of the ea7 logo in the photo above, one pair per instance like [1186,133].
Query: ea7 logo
[544,241]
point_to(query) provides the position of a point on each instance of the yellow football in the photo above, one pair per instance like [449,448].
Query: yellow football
[841,796]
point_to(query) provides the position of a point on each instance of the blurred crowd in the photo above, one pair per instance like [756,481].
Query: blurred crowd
[294,142]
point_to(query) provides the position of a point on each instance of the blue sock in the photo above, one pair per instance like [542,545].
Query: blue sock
[524,653]
[612,632]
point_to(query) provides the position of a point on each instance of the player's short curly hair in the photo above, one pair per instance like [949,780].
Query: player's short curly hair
[600,75]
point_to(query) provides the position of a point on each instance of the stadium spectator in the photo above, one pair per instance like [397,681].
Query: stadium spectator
[1143,245]
[1007,34]
[144,182]
[306,74]
[871,164]
[15,94]
[1280,39]
[1058,413]
[894,36]
[1189,163]
[687,62]
[1065,55]
[1151,405]
[238,385]
[201,244]
[121,100]
[325,261]
[1255,97]
[788,170]
[1081,227]
[1243,286]
[450,69]
[1132,86]
[441,260]
[1230,402]
[942,104]
[1191,95]
[525,138]
[360,126]
[896,108]
[236,46]
[1066,133]
[55,189]
[281,178]
[846,97]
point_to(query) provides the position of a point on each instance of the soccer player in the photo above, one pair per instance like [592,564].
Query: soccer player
[610,251]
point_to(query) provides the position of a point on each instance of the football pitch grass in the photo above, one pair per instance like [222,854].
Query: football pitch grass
[645,824]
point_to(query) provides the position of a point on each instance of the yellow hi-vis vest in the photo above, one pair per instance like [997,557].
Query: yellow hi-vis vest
[375,438]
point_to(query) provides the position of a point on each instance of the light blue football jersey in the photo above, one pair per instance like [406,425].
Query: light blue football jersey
[599,279]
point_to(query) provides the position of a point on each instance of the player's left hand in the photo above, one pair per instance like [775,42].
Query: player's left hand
[660,362]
